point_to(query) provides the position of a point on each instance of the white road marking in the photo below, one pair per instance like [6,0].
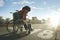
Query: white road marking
[35,30]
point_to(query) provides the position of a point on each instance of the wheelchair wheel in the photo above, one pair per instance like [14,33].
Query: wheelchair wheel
[11,27]
[17,29]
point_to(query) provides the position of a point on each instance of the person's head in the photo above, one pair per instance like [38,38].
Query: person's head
[26,9]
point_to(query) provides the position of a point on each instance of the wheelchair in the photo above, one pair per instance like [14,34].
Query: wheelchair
[16,26]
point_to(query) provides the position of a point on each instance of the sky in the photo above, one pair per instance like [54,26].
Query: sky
[39,8]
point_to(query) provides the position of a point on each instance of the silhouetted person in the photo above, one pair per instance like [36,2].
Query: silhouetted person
[21,15]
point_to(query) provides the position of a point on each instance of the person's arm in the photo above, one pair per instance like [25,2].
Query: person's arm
[24,16]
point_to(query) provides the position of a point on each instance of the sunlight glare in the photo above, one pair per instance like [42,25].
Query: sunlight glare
[54,21]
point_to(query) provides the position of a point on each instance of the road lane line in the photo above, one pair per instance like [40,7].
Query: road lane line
[35,30]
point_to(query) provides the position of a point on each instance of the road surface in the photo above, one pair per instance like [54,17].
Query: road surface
[40,32]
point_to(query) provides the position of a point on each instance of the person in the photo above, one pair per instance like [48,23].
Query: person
[22,14]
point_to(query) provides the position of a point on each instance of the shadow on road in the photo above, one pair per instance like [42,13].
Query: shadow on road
[12,36]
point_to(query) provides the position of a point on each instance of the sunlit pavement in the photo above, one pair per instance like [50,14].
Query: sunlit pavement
[40,32]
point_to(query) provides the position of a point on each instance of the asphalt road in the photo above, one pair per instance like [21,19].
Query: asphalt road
[40,32]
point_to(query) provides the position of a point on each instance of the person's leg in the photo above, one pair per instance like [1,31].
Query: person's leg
[26,27]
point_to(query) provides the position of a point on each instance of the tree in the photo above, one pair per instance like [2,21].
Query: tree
[7,20]
[1,20]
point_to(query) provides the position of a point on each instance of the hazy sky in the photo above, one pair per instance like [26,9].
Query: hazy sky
[39,8]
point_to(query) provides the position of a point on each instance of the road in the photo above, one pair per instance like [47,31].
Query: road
[40,32]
